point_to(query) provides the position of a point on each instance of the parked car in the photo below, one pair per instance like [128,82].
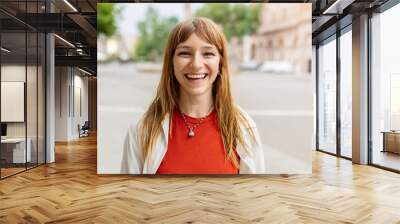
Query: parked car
[249,65]
[276,67]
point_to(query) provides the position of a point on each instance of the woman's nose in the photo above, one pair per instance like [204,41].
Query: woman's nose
[197,61]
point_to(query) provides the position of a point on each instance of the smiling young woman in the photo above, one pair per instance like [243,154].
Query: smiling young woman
[193,126]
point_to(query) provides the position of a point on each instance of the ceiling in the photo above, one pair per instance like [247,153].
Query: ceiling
[332,15]
[74,22]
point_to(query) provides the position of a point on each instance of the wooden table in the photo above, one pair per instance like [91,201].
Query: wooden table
[13,150]
[391,141]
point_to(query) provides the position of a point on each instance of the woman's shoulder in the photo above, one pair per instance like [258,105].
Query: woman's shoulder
[134,125]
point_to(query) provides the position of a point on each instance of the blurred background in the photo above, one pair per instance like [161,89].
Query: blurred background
[263,37]
[269,47]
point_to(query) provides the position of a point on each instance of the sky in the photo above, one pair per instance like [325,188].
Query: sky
[134,12]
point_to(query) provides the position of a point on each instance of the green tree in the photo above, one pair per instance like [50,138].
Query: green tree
[153,35]
[106,18]
[237,20]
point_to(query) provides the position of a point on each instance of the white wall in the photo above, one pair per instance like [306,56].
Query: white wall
[12,101]
[33,126]
[61,103]
[79,117]
[70,83]
[11,73]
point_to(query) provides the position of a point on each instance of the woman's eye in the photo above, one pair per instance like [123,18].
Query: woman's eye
[183,54]
[209,54]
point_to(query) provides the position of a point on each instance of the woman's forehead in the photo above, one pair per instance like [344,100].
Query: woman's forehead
[194,41]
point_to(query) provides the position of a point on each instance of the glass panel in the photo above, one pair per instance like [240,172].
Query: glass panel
[23,87]
[31,100]
[327,97]
[31,84]
[41,62]
[394,102]
[13,86]
[41,98]
[385,89]
[345,94]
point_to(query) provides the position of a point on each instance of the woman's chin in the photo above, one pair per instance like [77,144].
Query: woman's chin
[197,91]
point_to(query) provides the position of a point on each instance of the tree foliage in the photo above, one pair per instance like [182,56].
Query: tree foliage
[237,20]
[106,18]
[153,35]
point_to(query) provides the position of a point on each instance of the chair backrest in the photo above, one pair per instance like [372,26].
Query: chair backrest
[86,125]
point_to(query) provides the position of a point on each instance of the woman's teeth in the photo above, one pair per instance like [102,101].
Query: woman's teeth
[196,76]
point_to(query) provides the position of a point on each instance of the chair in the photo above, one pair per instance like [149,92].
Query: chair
[84,130]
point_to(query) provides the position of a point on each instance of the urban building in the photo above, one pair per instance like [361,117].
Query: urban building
[283,36]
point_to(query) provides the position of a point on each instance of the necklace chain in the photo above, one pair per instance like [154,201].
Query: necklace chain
[191,129]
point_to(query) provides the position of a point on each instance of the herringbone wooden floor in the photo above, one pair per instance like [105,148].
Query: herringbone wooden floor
[70,191]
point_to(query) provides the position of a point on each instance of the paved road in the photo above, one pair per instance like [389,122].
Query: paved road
[281,105]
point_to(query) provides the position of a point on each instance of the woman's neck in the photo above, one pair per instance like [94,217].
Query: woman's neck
[196,106]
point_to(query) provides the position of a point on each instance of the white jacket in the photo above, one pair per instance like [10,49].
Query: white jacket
[134,163]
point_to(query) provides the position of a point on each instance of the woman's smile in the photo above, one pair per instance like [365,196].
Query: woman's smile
[192,76]
[196,79]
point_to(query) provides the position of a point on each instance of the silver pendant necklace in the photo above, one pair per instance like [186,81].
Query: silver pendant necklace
[191,132]
[191,129]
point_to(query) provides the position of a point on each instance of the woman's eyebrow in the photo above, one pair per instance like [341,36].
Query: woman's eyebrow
[184,46]
[203,47]
[209,47]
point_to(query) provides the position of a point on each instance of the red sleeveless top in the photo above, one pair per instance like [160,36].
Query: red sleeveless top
[203,153]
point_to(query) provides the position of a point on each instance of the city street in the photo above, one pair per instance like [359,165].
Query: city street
[281,105]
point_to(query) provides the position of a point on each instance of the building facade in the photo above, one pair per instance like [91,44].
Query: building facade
[284,35]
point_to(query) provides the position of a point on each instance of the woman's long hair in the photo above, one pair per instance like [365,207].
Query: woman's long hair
[230,118]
